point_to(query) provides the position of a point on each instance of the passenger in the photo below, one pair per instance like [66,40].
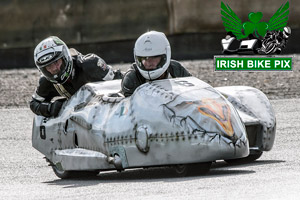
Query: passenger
[64,71]
[152,55]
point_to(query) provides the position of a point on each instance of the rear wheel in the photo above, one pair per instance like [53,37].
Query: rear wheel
[192,169]
[180,170]
[199,168]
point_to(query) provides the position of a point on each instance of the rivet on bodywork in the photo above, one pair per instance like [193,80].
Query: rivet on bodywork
[270,124]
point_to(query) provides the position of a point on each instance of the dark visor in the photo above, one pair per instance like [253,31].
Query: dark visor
[140,60]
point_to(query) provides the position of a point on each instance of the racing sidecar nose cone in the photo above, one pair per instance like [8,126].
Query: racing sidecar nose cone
[207,115]
[188,106]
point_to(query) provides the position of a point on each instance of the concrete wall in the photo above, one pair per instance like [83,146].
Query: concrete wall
[101,25]
[205,16]
[25,23]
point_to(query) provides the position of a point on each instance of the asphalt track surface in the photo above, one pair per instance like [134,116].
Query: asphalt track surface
[24,174]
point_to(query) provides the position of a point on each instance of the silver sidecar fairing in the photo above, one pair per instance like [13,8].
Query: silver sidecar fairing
[257,114]
[166,122]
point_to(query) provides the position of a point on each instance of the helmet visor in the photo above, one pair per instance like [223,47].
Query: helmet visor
[54,75]
[49,56]
[151,62]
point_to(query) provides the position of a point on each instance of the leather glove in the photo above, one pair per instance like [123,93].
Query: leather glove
[118,74]
[55,107]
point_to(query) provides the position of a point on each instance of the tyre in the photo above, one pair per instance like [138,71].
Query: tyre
[192,169]
[248,159]
[180,170]
[270,48]
[199,168]
[73,174]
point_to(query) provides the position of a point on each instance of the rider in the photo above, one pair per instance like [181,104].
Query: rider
[152,55]
[274,41]
[64,71]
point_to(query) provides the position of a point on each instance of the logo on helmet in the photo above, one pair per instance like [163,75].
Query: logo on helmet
[57,41]
[45,58]
[64,75]
[148,49]
[148,43]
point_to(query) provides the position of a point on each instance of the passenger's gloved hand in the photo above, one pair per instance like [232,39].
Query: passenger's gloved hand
[118,74]
[55,107]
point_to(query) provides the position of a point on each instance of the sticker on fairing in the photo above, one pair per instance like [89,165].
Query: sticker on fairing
[43,132]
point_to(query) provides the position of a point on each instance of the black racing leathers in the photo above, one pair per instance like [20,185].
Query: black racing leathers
[132,78]
[86,68]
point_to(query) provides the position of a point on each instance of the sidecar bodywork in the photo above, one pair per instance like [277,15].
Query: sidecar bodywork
[164,123]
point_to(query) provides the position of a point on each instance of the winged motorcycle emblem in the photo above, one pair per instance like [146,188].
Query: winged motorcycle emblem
[241,30]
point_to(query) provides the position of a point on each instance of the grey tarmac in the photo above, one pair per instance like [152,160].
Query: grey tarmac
[24,173]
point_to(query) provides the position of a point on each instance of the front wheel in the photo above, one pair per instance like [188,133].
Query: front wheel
[63,174]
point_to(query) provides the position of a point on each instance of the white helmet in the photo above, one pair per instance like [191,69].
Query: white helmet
[150,44]
[47,52]
[286,32]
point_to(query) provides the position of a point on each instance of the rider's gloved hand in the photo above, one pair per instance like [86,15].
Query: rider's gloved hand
[55,107]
